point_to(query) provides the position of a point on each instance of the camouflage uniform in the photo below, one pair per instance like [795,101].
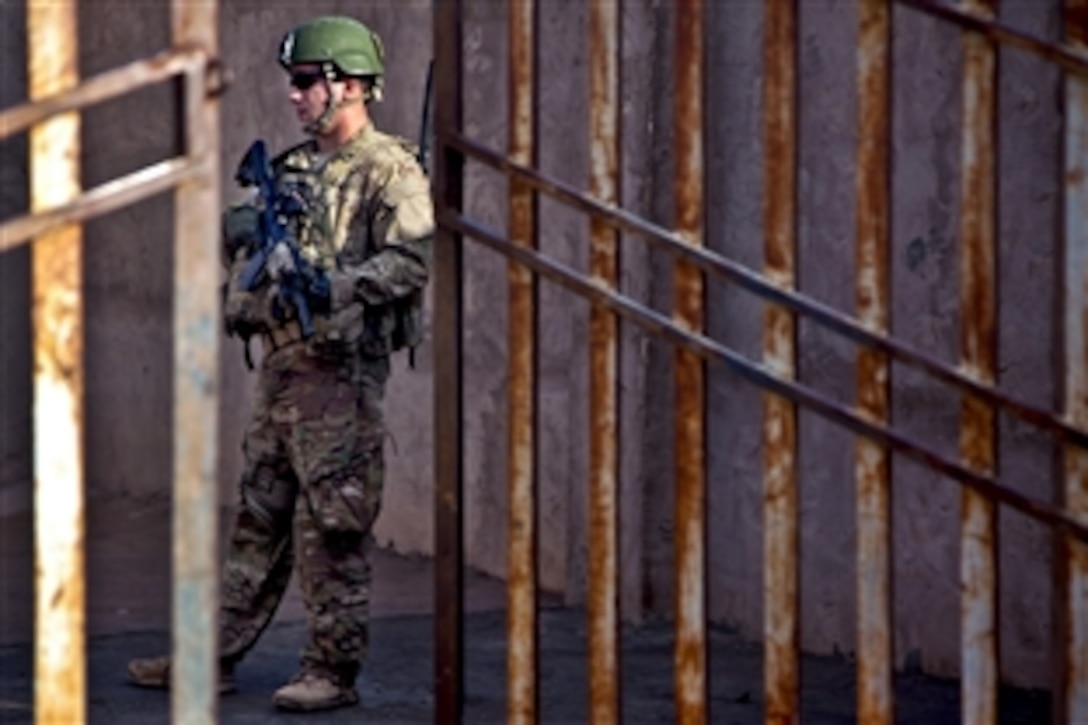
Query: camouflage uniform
[312,484]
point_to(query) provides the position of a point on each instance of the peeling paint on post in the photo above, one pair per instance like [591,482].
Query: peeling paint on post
[978,561]
[60,670]
[194,675]
[691,660]
[872,460]
[522,655]
[603,601]
[1072,694]
[781,620]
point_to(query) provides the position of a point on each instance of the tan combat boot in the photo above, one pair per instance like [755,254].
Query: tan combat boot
[308,692]
[154,672]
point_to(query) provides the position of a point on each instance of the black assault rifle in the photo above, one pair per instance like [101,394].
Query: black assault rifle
[305,288]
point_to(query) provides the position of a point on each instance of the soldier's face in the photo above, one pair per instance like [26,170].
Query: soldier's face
[308,92]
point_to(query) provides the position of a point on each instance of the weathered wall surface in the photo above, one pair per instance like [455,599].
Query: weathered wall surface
[128,277]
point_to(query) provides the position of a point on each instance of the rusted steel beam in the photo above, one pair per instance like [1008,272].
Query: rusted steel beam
[872,460]
[689,313]
[102,199]
[522,654]
[603,600]
[103,87]
[978,270]
[1072,693]
[656,323]
[194,671]
[755,283]
[780,531]
[60,669]
[1071,57]
[449,589]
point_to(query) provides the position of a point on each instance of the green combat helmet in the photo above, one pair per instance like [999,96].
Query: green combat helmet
[342,46]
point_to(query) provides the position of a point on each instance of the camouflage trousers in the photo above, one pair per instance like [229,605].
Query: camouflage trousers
[310,494]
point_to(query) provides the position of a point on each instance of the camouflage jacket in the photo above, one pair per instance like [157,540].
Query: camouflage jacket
[369,224]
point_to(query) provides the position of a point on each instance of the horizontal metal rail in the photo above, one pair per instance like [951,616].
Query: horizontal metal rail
[103,87]
[754,282]
[756,373]
[1070,57]
[102,199]
[122,191]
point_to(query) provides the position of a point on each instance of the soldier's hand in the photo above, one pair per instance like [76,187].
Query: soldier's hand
[280,262]
[241,230]
[337,335]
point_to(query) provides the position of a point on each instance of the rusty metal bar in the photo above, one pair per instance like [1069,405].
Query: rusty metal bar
[102,199]
[1071,57]
[1071,696]
[522,654]
[780,529]
[873,461]
[754,282]
[978,270]
[103,87]
[194,671]
[758,374]
[690,655]
[60,667]
[603,604]
[449,587]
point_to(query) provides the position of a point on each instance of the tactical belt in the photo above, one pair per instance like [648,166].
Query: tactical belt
[281,337]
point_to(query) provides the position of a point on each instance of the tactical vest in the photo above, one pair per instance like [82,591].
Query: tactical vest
[399,324]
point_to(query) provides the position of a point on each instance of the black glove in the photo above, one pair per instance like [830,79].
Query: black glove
[241,231]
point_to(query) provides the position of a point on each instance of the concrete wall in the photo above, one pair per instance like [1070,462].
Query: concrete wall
[128,301]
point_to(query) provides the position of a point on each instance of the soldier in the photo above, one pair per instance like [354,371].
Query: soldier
[312,484]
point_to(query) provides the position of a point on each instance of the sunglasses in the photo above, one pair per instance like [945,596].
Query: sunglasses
[303,81]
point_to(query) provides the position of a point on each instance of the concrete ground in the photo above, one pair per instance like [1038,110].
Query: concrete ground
[128,585]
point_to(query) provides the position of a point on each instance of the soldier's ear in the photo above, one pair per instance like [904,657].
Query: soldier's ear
[354,88]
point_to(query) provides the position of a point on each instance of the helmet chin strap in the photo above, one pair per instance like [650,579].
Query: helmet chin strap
[323,123]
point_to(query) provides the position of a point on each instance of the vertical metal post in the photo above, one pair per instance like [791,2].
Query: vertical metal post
[522,654]
[691,686]
[194,675]
[781,620]
[60,686]
[873,461]
[1072,699]
[448,397]
[604,21]
[978,562]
